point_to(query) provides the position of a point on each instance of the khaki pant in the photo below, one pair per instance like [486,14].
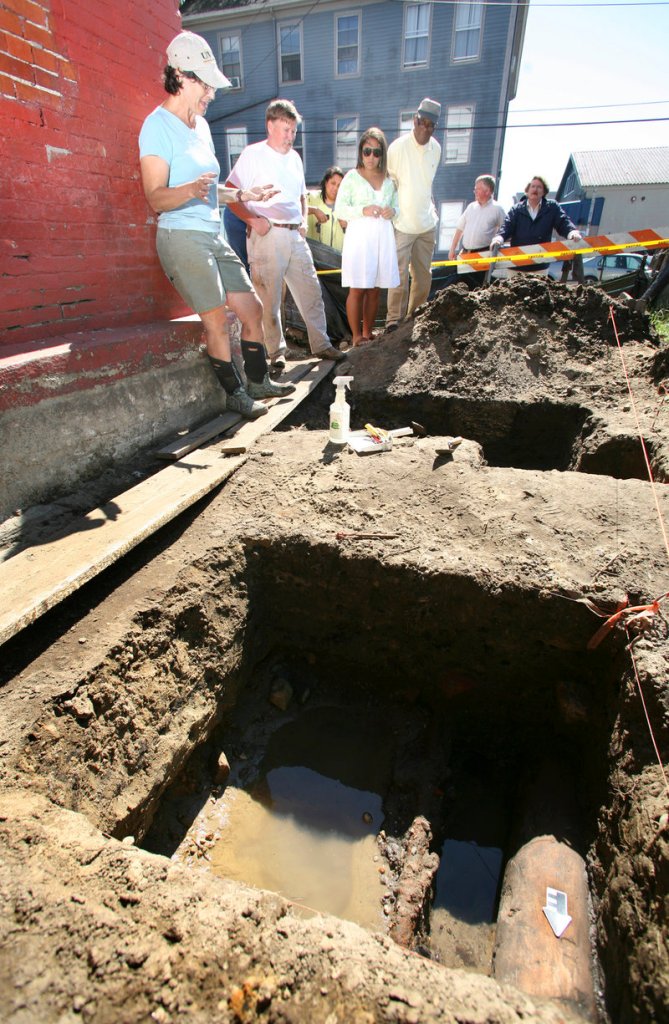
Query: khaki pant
[414,254]
[283,255]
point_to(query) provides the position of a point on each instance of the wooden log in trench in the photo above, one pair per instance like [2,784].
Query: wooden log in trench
[527,952]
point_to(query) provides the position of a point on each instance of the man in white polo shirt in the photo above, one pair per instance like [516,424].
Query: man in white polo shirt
[477,224]
[276,231]
[413,160]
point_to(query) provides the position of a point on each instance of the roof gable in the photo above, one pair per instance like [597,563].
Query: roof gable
[596,168]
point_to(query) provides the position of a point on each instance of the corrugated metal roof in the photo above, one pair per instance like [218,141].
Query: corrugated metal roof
[623,166]
[210,6]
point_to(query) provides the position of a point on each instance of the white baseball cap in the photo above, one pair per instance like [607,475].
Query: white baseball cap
[189,52]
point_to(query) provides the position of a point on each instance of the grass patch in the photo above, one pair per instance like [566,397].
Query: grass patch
[660,320]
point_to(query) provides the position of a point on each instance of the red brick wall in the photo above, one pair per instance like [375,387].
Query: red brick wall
[77,246]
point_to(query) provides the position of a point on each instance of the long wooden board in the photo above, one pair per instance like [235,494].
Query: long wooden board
[225,422]
[246,432]
[37,578]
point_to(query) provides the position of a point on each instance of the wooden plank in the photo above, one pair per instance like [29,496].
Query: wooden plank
[221,424]
[38,578]
[195,438]
[248,431]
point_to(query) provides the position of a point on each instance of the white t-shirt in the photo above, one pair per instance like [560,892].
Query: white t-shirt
[478,225]
[259,164]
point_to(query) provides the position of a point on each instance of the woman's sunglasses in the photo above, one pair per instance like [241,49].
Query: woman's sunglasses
[368,151]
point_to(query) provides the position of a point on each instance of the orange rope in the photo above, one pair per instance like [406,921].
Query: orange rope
[655,604]
[638,426]
[648,723]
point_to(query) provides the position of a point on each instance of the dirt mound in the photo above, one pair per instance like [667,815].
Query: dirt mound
[521,339]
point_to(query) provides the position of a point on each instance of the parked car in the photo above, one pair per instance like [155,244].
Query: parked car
[615,273]
[606,268]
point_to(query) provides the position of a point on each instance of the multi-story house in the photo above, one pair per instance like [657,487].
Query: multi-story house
[347,65]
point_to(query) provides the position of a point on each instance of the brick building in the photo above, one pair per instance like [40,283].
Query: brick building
[92,364]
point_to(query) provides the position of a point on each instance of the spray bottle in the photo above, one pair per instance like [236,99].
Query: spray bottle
[340,412]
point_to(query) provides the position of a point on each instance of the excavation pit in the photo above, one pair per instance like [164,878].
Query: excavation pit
[530,371]
[434,614]
[445,617]
[356,726]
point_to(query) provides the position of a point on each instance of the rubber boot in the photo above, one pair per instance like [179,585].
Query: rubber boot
[236,398]
[258,384]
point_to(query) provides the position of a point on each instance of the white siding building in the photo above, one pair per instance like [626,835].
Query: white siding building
[612,190]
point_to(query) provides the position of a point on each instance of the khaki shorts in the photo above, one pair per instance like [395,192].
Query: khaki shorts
[201,266]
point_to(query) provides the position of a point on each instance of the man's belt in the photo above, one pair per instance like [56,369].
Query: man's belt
[291,227]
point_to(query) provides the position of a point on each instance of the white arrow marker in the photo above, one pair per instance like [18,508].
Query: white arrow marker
[556,910]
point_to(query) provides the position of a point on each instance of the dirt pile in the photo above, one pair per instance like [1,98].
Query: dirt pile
[523,340]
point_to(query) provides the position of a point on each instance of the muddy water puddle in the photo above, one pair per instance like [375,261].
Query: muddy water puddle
[318,799]
[308,837]
[467,883]
[462,919]
[303,821]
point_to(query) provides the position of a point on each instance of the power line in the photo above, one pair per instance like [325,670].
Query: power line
[541,7]
[512,113]
[580,124]
[593,106]
[474,127]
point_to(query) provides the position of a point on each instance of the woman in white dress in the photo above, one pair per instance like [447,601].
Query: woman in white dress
[367,201]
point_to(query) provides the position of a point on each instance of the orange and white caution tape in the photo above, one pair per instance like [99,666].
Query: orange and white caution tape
[525,255]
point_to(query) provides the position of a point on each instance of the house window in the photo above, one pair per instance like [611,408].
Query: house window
[298,144]
[570,184]
[449,214]
[348,45]
[406,121]
[467,31]
[290,51]
[236,140]
[346,141]
[458,141]
[416,35]
[230,48]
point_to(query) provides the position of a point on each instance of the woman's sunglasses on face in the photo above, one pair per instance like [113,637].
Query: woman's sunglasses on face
[368,151]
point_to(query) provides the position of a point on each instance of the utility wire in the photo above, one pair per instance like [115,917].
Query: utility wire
[541,7]
[593,106]
[471,128]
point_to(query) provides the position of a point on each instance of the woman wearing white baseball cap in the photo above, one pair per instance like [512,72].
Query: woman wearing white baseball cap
[180,175]
[189,52]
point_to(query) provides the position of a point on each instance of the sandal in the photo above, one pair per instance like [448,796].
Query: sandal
[363,343]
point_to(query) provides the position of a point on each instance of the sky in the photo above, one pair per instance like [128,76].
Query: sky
[586,61]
